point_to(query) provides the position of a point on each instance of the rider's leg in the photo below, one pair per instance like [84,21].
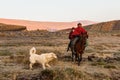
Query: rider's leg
[69,45]
[73,43]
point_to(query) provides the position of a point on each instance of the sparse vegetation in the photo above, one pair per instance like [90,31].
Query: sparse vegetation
[110,66]
[5,53]
[58,74]
[111,26]
[14,56]
[98,63]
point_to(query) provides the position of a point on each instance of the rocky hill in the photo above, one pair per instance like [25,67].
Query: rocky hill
[105,26]
[45,25]
[6,27]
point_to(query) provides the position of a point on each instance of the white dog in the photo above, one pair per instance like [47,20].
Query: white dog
[43,59]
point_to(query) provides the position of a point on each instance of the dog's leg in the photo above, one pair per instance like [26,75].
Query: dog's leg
[48,65]
[43,66]
[31,65]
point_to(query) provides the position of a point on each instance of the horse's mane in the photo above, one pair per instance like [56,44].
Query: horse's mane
[80,43]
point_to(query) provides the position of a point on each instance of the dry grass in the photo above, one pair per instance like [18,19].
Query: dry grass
[110,66]
[14,56]
[57,74]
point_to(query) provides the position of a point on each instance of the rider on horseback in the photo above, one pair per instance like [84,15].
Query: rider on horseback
[75,33]
[70,37]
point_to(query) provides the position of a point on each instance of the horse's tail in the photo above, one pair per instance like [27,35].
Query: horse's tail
[32,50]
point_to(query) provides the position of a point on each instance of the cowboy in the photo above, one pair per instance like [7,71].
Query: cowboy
[70,37]
[74,36]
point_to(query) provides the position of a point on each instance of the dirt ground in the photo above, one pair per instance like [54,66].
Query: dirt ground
[15,46]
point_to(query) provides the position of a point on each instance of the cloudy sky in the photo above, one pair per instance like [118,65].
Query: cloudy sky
[60,10]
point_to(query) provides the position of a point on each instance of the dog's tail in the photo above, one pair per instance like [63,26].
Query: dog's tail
[32,50]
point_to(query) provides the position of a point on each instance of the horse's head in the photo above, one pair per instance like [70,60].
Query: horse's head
[82,38]
[84,35]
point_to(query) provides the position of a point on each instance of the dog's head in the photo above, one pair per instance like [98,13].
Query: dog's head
[53,55]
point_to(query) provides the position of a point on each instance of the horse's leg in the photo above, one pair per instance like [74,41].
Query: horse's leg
[72,56]
[72,52]
[78,59]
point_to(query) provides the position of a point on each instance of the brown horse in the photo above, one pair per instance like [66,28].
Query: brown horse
[79,48]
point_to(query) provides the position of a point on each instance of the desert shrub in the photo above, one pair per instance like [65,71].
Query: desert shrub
[115,75]
[67,73]
[47,74]
[55,74]
[100,76]
[71,72]
[59,74]
[98,63]
[110,66]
